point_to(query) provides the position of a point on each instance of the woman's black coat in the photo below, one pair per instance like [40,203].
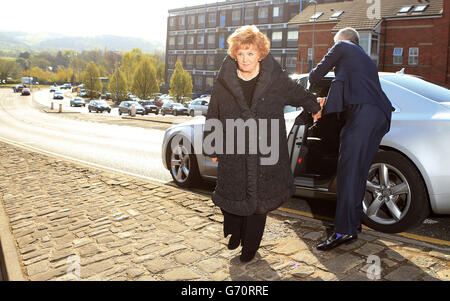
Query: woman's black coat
[244,185]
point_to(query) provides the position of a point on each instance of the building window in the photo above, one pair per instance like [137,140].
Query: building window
[223,19]
[191,21]
[277,11]
[171,61]
[209,82]
[249,15]
[263,13]
[172,22]
[291,63]
[190,40]
[201,20]
[310,59]
[212,40]
[277,36]
[212,19]
[200,41]
[210,60]
[180,42]
[199,61]
[236,17]
[190,60]
[171,42]
[181,21]
[292,35]
[198,82]
[222,41]
[413,58]
[398,56]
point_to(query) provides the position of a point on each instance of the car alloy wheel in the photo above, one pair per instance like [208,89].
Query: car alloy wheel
[395,198]
[180,164]
[183,166]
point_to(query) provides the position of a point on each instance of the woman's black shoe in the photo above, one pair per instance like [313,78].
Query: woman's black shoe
[234,242]
[334,241]
[247,256]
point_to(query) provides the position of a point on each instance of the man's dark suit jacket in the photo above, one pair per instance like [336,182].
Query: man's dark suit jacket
[356,79]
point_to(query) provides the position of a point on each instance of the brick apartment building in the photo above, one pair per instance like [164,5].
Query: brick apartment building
[410,34]
[197,35]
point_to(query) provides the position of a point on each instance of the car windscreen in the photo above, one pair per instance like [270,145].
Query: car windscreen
[420,86]
[102,103]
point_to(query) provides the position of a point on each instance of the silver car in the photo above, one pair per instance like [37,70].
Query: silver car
[198,107]
[409,178]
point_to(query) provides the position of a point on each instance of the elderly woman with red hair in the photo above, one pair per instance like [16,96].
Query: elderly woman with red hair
[251,86]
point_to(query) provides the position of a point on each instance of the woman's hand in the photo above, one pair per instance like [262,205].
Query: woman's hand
[214,160]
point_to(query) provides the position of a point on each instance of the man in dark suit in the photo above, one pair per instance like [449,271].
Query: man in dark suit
[357,95]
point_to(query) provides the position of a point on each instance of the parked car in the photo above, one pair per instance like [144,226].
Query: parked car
[77,102]
[106,96]
[26,91]
[58,95]
[174,108]
[18,88]
[161,100]
[83,93]
[198,107]
[125,108]
[408,178]
[53,89]
[149,106]
[66,86]
[99,106]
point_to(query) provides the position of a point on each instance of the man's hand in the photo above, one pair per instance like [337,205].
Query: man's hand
[321,101]
[214,160]
[318,115]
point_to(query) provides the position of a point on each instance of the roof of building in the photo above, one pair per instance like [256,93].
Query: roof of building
[360,15]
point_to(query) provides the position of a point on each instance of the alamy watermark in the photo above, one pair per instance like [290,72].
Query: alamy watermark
[374,10]
[374,269]
[237,133]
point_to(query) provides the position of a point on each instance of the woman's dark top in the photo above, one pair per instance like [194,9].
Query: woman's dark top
[248,87]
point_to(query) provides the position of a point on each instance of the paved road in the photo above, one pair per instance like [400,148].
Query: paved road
[131,149]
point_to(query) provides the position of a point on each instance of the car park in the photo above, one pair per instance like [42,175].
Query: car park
[125,107]
[198,107]
[26,91]
[99,106]
[77,102]
[174,108]
[149,106]
[58,95]
[408,178]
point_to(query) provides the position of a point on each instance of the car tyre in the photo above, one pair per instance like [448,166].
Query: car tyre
[183,165]
[404,204]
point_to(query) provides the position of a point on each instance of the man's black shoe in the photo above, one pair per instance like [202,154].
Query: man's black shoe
[334,241]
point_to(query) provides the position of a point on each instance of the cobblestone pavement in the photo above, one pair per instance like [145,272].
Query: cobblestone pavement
[69,220]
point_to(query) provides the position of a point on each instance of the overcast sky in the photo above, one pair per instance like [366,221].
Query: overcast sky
[145,19]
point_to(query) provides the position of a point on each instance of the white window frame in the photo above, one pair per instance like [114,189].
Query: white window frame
[397,57]
[291,33]
[281,36]
[413,56]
